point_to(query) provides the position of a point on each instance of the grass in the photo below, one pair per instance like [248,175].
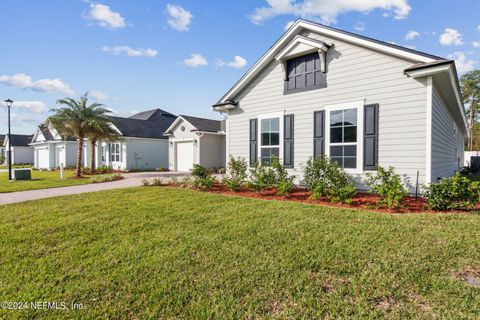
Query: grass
[40,180]
[16,166]
[168,253]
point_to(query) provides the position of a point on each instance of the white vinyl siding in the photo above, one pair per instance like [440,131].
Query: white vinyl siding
[353,73]
[447,147]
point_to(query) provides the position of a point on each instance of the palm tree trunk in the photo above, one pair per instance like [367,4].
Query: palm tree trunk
[93,164]
[78,173]
[472,125]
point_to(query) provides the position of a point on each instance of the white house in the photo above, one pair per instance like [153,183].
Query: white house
[141,146]
[22,153]
[51,150]
[195,140]
[363,102]
[2,152]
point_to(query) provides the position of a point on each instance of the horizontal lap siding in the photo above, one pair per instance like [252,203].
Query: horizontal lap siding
[354,73]
[445,151]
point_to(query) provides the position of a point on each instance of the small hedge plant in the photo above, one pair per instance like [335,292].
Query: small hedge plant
[325,178]
[237,173]
[275,176]
[388,185]
[201,178]
[454,193]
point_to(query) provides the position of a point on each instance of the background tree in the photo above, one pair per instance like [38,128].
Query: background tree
[470,85]
[100,129]
[77,119]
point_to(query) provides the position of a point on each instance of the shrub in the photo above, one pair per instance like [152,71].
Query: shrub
[157,182]
[203,183]
[387,184]
[261,177]
[174,181]
[186,182]
[104,169]
[107,178]
[325,178]
[237,173]
[145,182]
[282,180]
[2,159]
[454,193]
[199,171]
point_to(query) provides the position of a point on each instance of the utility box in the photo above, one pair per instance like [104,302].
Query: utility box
[22,174]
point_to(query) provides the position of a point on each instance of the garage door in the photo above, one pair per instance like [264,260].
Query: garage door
[43,158]
[184,156]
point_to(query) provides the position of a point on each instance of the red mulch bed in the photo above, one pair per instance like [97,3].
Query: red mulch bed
[364,201]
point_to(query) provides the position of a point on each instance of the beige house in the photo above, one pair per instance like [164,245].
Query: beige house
[194,140]
[363,102]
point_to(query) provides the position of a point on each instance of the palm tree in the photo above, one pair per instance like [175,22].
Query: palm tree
[100,129]
[76,119]
[470,84]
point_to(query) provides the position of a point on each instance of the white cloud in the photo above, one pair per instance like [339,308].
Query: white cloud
[23,81]
[478,28]
[105,17]
[237,63]
[131,52]
[360,26]
[451,37]
[180,19]
[32,106]
[411,47]
[195,60]
[412,35]
[327,11]
[99,96]
[122,113]
[288,25]
[476,44]
[462,62]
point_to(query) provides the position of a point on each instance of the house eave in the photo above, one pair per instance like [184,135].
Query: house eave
[448,69]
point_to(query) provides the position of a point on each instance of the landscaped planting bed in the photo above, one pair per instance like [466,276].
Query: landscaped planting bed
[328,184]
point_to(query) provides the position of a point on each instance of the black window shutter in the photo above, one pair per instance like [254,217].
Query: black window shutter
[318,133]
[253,141]
[288,141]
[370,142]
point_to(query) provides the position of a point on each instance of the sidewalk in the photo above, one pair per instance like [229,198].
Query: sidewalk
[131,180]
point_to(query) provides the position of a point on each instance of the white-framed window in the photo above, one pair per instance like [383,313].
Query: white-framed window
[115,152]
[103,153]
[344,135]
[270,137]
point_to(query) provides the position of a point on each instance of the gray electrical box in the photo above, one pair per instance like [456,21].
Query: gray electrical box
[22,174]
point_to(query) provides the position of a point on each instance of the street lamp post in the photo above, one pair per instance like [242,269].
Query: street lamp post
[9,103]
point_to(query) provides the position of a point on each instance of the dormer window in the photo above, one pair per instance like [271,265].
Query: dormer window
[304,73]
[304,64]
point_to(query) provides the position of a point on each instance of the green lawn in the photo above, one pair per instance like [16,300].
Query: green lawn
[40,180]
[165,253]
[16,166]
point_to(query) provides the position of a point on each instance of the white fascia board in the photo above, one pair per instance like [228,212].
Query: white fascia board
[297,26]
[315,44]
[224,108]
[428,71]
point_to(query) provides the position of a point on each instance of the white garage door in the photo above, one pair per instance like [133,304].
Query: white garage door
[43,158]
[184,156]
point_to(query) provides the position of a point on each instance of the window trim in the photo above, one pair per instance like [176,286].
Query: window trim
[261,117]
[359,105]
[113,153]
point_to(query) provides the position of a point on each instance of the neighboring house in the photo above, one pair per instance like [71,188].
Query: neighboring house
[22,153]
[195,140]
[363,102]
[2,152]
[141,146]
[51,150]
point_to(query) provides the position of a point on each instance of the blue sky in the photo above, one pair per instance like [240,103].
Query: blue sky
[182,56]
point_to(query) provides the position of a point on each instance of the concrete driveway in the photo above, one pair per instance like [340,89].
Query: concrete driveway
[133,179]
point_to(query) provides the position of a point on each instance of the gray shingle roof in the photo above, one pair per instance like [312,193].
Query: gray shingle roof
[46,133]
[148,124]
[21,140]
[202,124]
[151,114]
